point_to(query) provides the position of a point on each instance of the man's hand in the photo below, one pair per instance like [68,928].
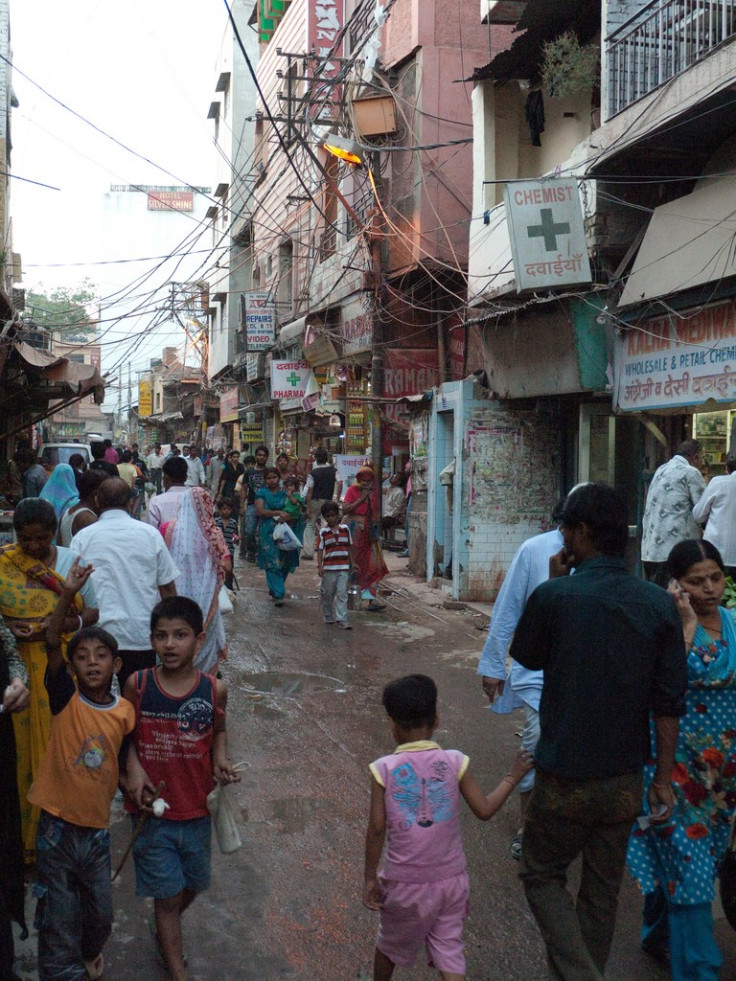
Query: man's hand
[78,575]
[493,687]
[561,563]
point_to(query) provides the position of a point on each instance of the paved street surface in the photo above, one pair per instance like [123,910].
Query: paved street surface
[305,715]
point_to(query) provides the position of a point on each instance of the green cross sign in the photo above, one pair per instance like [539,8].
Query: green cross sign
[293,379]
[548,230]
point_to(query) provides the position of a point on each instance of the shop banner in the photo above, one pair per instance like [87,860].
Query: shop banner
[145,398]
[229,405]
[259,316]
[289,379]
[407,372]
[357,327]
[677,360]
[347,467]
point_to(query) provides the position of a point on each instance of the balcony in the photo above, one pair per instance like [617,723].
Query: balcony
[665,38]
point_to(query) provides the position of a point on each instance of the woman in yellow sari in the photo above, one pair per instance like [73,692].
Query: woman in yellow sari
[31,574]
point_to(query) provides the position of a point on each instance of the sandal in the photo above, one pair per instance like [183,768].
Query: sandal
[374,606]
[96,968]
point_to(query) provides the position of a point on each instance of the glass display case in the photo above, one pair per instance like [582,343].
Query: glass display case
[713,429]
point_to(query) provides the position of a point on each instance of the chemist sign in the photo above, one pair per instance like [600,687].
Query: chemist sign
[547,233]
[289,379]
[259,317]
[665,362]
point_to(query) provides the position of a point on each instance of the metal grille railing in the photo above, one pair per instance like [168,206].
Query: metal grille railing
[662,40]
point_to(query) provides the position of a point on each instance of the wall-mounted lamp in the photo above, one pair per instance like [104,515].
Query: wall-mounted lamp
[344,149]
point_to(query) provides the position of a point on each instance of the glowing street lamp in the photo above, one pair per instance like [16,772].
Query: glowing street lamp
[344,149]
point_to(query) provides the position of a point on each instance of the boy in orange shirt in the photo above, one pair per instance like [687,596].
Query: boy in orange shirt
[74,788]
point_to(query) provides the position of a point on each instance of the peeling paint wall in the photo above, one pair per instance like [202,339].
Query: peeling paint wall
[510,487]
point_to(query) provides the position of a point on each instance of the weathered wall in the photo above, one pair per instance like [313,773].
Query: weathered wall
[510,487]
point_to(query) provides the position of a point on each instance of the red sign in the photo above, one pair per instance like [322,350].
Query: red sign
[457,353]
[407,372]
[170,201]
[326,21]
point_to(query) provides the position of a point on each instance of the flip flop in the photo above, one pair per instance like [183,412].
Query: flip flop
[96,968]
[374,606]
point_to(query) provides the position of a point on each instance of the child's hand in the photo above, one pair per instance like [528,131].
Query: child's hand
[372,894]
[523,762]
[78,575]
[224,772]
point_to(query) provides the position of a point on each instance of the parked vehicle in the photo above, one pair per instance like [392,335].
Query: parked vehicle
[53,453]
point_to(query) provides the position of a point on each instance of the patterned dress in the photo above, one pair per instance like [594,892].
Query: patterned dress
[684,855]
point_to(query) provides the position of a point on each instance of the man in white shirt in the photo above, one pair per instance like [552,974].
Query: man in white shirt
[154,462]
[523,687]
[164,507]
[132,571]
[195,468]
[676,488]
[214,470]
[717,506]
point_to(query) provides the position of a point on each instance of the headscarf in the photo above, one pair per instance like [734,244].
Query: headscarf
[198,548]
[364,473]
[60,490]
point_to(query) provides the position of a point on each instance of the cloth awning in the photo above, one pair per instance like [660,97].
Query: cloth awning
[689,242]
[75,377]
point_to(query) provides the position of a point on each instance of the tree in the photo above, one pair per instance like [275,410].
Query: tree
[65,309]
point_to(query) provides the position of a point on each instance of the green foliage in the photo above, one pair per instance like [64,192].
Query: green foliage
[569,68]
[729,594]
[65,309]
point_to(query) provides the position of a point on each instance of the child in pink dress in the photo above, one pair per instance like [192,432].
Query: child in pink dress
[422,892]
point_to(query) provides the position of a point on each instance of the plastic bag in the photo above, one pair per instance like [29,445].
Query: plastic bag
[224,601]
[285,538]
[223,818]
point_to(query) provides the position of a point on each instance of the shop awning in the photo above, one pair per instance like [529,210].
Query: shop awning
[689,242]
[73,377]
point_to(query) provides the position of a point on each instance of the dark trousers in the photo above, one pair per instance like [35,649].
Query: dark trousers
[134,661]
[74,911]
[656,572]
[567,818]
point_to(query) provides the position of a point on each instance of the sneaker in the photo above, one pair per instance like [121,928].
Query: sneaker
[516,845]
[328,621]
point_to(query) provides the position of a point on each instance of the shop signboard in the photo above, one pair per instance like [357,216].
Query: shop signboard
[547,233]
[677,360]
[289,379]
[324,32]
[145,398]
[407,372]
[259,317]
[229,404]
[251,434]
[357,326]
[347,466]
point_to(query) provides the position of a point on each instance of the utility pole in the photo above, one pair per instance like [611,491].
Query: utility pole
[376,236]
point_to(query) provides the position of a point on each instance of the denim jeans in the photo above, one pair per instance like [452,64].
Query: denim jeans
[74,910]
[334,590]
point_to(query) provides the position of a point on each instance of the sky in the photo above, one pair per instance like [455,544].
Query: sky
[143,72]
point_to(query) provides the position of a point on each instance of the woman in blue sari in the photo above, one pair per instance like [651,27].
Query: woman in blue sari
[270,509]
[676,863]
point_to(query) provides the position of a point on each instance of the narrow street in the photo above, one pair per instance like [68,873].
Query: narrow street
[305,715]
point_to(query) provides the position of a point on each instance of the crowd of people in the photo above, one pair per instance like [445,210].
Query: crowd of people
[97,549]
[627,685]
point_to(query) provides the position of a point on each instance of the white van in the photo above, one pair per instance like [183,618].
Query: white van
[53,453]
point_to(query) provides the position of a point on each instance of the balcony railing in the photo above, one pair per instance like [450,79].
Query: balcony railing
[662,40]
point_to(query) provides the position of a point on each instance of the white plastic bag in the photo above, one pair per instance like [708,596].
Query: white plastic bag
[285,538]
[223,818]
[224,601]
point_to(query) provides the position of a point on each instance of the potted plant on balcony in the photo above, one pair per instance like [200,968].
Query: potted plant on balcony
[570,68]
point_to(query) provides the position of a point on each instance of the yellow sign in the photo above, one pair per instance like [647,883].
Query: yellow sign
[251,434]
[145,399]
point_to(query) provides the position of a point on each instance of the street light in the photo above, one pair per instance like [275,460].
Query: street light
[344,149]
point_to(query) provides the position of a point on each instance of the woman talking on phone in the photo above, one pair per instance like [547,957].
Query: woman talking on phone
[676,863]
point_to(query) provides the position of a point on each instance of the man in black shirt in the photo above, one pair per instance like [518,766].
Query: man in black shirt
[320,486]
[97,449]
[612,651]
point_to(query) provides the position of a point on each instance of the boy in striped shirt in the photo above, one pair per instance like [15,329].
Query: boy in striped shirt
[334,566]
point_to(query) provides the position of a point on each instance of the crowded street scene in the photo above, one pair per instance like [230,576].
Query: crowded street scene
[368,490]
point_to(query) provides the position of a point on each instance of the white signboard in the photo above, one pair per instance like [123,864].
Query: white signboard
[259,312]
[347,467]
[289,379]
[547,233]
[357,326]
[673,361]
